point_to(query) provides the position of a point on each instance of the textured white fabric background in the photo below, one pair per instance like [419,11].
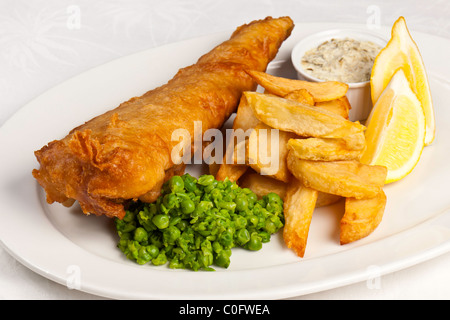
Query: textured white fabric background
[43,43]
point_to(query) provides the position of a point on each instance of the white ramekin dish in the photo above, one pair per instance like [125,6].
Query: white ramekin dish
[359,92]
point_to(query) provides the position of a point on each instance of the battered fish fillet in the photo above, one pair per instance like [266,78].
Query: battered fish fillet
[125,153]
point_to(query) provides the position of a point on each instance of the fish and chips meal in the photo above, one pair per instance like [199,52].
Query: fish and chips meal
[296,151]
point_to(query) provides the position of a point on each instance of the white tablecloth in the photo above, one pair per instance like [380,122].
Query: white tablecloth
[43,43]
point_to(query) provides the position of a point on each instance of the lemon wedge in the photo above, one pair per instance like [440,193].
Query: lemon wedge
[402,52]
[395,133]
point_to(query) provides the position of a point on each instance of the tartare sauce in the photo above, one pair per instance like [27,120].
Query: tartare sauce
[345,60]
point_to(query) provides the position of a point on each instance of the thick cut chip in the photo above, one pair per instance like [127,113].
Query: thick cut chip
[326,199]
[230,167]
[302,96]
[340,106]
[303,120]
[355,141]
[321,91]
[245,117]
[234,163]
[231,171]
[361,217]
[214,168]
[299,206]
[344,178]
[323,149]
[267,152]
[262,185]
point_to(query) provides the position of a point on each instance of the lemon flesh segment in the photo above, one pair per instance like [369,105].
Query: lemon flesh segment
[395,132]
[402,52]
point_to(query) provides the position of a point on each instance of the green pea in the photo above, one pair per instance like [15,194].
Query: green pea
[226,239]
[126,236]
[261,202]
[227,197]
[171,234]
[140,234]
[133,248]
[129,216]
[174,221]
[240,222]
[205,180]
[252,198]
[220,185]
[217,247]
[227,205]
[155,239]
[243,236]
[176,184]
[125,226]
[161,221]
[216,194]
[246,191]
[206,259]
[182,225]
[187,206]
[222,259]
[160,259]
[189,183]
[253,220]
[190,260]
[151,209]
[152,250]
[255,243]
[265,236]
[176,264]
[241,203]
[123,245]
[204,206]
[143,256]
[273,197]
[210,187]
[274,207]
[270,227]
[170,201]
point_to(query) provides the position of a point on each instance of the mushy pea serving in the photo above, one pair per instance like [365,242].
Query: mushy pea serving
[345,60]
[195,223]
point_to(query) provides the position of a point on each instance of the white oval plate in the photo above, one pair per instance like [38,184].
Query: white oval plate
[80,251]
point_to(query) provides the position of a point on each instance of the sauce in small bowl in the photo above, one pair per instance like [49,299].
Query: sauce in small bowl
[344,55]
